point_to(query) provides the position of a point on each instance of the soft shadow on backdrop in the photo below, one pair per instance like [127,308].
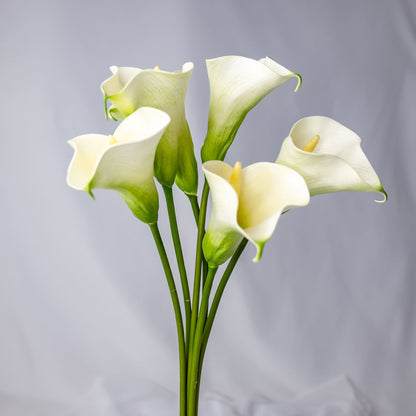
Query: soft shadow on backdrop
[83,304]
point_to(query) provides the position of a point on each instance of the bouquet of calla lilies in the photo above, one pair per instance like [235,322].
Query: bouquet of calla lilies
[153,140]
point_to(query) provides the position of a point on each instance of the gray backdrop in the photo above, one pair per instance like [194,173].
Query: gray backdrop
[86,321]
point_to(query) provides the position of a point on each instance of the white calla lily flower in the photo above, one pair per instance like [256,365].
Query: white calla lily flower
[329,156]
[122,161]
[132,88]
[237,84]
[248,203]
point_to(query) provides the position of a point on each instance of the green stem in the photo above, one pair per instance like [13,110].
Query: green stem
[194,358]
[198,263]
[198,259]
[179,258]
[195,207]
[178,315]
[216,301]
[204,272]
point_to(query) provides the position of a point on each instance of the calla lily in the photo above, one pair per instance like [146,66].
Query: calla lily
[248,203]
[329,156]
[122,161]
[237,85]
[132,88]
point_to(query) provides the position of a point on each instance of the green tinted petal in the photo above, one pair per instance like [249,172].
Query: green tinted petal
[266,191]
[237,84]
[131,88]
[126,166]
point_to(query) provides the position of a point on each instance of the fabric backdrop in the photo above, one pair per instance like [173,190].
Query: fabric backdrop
[328,315]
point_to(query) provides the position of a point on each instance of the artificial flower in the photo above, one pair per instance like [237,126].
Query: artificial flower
[329,156]
[122,161]
[132,88]
[237,84]
[248,203]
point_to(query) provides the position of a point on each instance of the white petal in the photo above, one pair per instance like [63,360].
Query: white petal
[141,125]
[119,79]
[267,190]
[337,163]
[224,197]
[223,233]
[127,166]
[284,73]
[237,84]
[130,163]
[88,149]
[132,88]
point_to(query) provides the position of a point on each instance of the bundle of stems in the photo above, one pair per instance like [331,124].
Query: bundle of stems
[194,321]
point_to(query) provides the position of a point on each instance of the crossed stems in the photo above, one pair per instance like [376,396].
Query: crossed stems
[199,315]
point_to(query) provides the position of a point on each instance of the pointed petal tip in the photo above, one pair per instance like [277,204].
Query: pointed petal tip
[299,77]
[187,66]
[71,143]
[385,196]
[111,111]
[260,247]
[90,193]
